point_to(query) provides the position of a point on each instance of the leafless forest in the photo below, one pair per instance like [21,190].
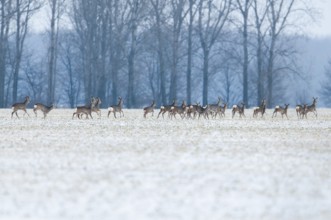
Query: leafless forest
[143,50]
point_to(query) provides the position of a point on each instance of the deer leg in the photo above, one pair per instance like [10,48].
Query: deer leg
[159,113]
[35,112]
[114,114]
[108,114]
[16,114]
[26,113]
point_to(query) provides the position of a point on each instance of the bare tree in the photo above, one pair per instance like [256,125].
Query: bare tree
[192,14]
[213,15]
[177,18]
[326,85]
[5,16]
[24,9]
[56,7]
[137,13]
[69,58]
[244,8]
[157,13]
[260,12]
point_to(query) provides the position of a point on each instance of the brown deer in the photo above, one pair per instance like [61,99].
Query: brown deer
[116,108]
[86,109]
[239,109]
[181,110]
[96,107]
[166,108]
[303,111]
[281,110]
[215,108]
[149,109]
[312,107]
[204,111]
[222,109]
[43,108]
[299,110]
[192,110]
[20,106]
[260,109]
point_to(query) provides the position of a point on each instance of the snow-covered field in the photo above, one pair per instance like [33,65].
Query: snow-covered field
[136,168]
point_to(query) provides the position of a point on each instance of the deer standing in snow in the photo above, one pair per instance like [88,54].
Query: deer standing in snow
[86,109]
[43,108]
[215,108]
[149,109]
[239,109]
[96,107]
[260,109]
[181,110]
[116,108]
[20,106]
[166,108]
[312,107]
[281,110]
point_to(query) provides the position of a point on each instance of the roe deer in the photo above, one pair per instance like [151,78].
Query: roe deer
[166,108]
[96,107]
[239,109]
[260,109]
[149,109]
[20,106]
[204,111]
[302,111]
[116,108]
[299,110]
[43,108]
[181,110]
[282,110]
[222,110]
[87,109]
[214,108]
[192,110]
[312,107]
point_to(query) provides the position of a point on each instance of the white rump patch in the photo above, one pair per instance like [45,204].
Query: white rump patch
[172,108]
[162,107]
[256,108]
[110,109]
[277,106]
[297,108]
[234,106]
[35,106]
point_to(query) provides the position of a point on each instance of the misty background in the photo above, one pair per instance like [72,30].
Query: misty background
[65,52]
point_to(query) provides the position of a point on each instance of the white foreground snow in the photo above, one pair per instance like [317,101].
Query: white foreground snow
[136,168]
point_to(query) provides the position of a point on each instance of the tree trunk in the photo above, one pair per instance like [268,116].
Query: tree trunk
[52,51]
[3,51]
[189,56]
[131,98]
[245,65]
[205,76]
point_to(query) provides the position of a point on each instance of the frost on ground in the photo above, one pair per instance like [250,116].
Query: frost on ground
[136,168]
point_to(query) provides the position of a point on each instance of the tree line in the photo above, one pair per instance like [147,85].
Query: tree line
[143,50]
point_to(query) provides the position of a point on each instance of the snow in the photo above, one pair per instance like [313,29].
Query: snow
[136,168]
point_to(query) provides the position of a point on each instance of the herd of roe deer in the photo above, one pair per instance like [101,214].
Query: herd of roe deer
[184,110]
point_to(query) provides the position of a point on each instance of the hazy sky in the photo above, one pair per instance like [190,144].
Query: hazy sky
[320,29]
[323,27]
